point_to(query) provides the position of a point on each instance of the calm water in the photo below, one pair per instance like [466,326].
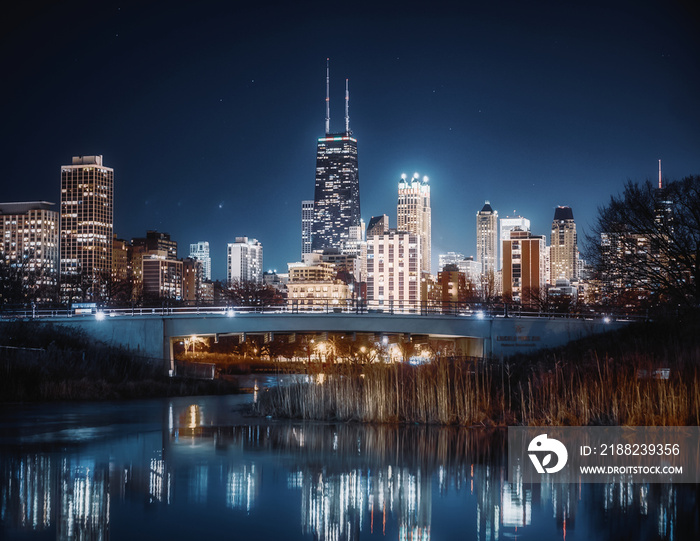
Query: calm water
[197,467]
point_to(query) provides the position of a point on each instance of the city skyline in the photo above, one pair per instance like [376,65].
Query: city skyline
[527,108]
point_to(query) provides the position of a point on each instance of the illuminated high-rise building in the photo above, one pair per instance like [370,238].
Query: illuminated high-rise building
[487,239]
[245,261]
[563,254]
[508,224]
[200,252]
[192,277]
[29,242]
[524,276]
[87,208]
[161,276]
[307,224]
[393,268]
[413,213]
[337,191]
[120,260]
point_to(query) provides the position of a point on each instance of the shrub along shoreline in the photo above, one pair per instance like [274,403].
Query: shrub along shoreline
[41,362]
[612,379]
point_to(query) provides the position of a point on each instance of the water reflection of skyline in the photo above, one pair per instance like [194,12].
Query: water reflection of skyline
[347,482]
[84,500]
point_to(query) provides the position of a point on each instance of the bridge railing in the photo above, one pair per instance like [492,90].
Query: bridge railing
[477,310]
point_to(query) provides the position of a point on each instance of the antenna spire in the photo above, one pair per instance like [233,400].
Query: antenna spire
[660,175]
[328,97]
[347,108]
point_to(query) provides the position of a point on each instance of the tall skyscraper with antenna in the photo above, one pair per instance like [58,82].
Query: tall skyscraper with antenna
[337,192]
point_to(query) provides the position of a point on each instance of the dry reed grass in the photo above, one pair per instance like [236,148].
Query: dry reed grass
[441,393]
[467,394]
[604,380]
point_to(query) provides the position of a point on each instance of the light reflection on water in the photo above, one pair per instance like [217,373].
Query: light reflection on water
[186,467]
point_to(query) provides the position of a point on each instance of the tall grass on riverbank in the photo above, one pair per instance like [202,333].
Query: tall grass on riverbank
[565,387]
[435,393]
[610,395]
[460,394]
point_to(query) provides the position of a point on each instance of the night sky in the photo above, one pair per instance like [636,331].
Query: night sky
[209,112]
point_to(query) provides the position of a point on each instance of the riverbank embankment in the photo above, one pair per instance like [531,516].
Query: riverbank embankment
[40,362]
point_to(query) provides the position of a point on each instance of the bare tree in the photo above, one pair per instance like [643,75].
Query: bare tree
[488,287]
[83,286]
[247,293]
[23,281]
[13,289]
[120,292]
[645,245]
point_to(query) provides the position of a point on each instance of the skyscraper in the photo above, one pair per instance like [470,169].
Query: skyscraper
[245,261]
[192,277]
[161,276]
[413,213]
[487,239]
[337,191]
[563,247]
[524,278]
[87,207]
[307,223]
[200,251]
[29,243]
[393,268]
[508,224]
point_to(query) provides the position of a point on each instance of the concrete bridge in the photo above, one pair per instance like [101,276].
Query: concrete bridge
[491,336]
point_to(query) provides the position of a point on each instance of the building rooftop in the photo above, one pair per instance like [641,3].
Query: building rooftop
[563,213]
[25,206]
[487,207]
[378,225]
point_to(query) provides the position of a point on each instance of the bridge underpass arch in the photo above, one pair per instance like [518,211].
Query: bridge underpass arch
[336,344]
[493,337]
